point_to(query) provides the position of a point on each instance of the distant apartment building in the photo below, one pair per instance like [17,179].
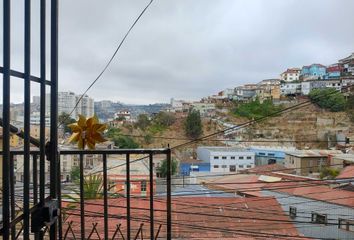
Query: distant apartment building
[268,92]
[290,89]
[205,109]
[347,65]
[176,105]
[245,93]
[308,86]
[67,102]
[291,74]
[313,72]
[34,119]
[226,159]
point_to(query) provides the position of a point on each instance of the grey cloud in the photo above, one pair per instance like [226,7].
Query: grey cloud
[190,49]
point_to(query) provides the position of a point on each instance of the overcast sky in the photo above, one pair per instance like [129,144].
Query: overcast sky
[186,49]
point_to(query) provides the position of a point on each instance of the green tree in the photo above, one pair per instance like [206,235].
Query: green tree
[164,119]
[328,98]
[75,173]
[125,142]
[143,121]
[163,168]
[193,125]
[64,119]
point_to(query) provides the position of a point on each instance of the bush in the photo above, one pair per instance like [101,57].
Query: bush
[164,119]
[328,98]
[329,173]
[163,168]
[125,142]
[143,121]
[256,109]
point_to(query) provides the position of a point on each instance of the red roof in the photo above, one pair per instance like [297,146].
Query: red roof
[193,217]
[347,172]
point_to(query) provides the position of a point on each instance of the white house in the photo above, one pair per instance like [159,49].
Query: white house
[290,89]
[226,159]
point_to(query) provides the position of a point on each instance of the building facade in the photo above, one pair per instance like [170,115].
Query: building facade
[291,74]
[225,159]
[312,72]
[287,89]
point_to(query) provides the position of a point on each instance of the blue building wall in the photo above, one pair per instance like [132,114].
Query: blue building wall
[186,168]
[263,156]
[314,70]
[332,75]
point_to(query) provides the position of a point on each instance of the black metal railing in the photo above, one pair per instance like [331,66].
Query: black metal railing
[76,223]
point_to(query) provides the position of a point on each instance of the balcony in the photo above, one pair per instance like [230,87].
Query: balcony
[86,209]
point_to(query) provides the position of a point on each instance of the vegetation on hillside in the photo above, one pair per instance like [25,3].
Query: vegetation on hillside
[256,109]
[328,98]
[120,140]
[193,125]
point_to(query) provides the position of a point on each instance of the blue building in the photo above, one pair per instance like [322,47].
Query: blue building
[265,156]
[314,71]
[198,166]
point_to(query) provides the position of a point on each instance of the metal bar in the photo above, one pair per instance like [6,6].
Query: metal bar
[60,222]
[35,178]
[18,74]
[105,197]
[106,151]
[151,180]
[42,100]
[12,190]
[128,194]
[169,218]
[27,115]
[35,185]
[54,106]
[82,197]
[6,123]
[19,132]
[158,232]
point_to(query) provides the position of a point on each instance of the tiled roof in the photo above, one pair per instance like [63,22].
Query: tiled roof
[200,218]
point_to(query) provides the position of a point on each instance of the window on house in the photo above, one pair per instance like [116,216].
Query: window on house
[224,157]
[216,157]
[249,157]
[223,166]
[240,158]
[319,218]
[345,224]
[143,186]
[271,154]
[292,212]
[262,154]
[240,166]
[232,168]
[233,158]
[249,166]
[216,166]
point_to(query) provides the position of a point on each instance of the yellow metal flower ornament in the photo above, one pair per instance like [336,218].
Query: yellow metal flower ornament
[87,132]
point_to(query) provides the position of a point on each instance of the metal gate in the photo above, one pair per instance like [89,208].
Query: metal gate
[40,215]
[9,198]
